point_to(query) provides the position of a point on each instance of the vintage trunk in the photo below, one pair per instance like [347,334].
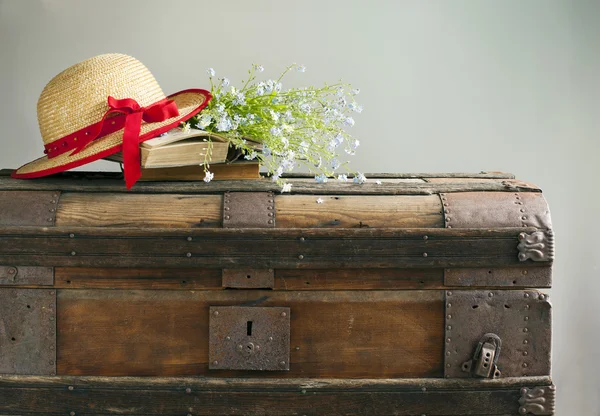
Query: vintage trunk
[412,295]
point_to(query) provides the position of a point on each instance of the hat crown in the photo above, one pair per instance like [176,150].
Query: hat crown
[77,97]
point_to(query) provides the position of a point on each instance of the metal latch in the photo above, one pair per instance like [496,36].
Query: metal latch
[249,338]
[485,358]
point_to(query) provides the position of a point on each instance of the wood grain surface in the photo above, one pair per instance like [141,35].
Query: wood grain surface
[345,334]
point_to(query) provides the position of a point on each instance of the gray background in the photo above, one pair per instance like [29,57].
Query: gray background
[462,85]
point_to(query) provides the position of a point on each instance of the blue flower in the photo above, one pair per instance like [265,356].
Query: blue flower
[342,178]
[321,178]
[360,178]
[259,68]
[301,68]
[225,82]
[210,72]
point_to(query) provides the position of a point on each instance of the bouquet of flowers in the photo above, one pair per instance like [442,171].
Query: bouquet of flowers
[294,126]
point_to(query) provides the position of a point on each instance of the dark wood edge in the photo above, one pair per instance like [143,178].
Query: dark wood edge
[280,233]
[300,186]
[240,384]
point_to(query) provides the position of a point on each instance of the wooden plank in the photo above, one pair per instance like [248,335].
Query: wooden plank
[358,279]
[260,248]
[207,396]
[333,334]
[303,211]
[102,184]
[139,210]
[137,278]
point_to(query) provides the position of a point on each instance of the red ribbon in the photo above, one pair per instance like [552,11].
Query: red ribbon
[134,114]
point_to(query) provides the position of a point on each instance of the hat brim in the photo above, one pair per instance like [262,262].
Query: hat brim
[189,103]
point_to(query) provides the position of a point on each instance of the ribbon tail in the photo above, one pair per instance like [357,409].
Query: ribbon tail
[131,149]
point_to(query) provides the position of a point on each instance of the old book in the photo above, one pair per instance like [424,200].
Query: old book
[222,171]
[180,148]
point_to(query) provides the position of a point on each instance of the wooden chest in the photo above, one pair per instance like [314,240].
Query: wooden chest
[410,294]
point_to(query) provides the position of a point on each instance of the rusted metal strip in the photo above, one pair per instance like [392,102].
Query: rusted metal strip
[249,338]
[522,320]
[26,275]
[499,277]
[248,210]
[27,331]
[28,208]
[495,209]
[249,278]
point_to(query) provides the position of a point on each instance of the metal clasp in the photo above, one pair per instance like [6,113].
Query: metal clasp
[485,358]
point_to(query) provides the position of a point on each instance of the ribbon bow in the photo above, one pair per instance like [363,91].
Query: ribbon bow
[134,114]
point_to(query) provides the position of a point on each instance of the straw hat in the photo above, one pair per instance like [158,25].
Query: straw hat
[101,106]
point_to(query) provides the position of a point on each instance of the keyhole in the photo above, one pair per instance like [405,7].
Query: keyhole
[248,277]
[249,328]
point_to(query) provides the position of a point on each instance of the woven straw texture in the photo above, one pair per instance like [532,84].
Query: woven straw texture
[77,97]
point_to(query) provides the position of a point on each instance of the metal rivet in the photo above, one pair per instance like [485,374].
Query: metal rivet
[73,253]
[189,239]
[527,318]
[524,217]
[71,235]
[447,218]
[522,210]
[302,239]
[449,305]
[51,210]
[283,314]
[227,217]
[297,348]
[525,365]
[70,387]
[188,254]
[270,221]
[542,297]
[216,313]
[449,340]
[448,353]
[447,211]
[424,254]
[491,295]
[240,347]
[301,257]
[52,292]
[303,391]
[527,306]
[526,295]
[449,293]
[525,272]
[448,226]
[228,338]
[270,214]
[525,353]
[449,327]
[50,220]
[282,362]
[270,338]
[449,317]
[215,362]
[188,390]
[269,207]
[525,330]
[425,237]
[525,342]
[226,208]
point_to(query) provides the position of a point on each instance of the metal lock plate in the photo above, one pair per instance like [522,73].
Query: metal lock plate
[26,275]
[28,208]
[248,210]
[249,338]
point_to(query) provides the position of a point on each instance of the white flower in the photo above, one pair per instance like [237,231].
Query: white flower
[321,178]
[301,68]
[274,115]
[275,131]
[260,88]
[285,142]
[240,99]
[251,156]
[208,176]
[356,91]
[210,72]
[204,121]
[378,182]
[343,178]
[349,121]
[287,187]
[266,150]
[224,124]
[355,144]
[259,68]
[360,178]
[186,128]
[305,108]
[319,200]
[225,82]
[221,108]
[335,164]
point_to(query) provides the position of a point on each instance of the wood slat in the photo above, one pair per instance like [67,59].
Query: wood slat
[139,210]
[333,334]
[207,396]
[303,211]
[260,248]
[102,184]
